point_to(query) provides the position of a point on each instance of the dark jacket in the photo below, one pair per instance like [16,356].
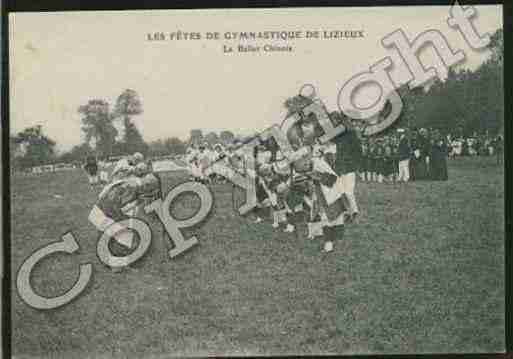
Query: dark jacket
[404,151]
[91,166]
[349,153]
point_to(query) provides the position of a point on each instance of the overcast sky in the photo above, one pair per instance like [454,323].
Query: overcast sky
[61,60]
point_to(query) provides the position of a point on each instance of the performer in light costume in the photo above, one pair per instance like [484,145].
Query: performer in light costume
[121,166]
[192,159]
[328,202]
[124,199]
[280,183]
[324,197]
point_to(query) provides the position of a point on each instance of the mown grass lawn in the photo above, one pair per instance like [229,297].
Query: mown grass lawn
[422,272]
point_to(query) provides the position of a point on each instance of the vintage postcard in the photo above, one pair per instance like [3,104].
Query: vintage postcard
[286,181]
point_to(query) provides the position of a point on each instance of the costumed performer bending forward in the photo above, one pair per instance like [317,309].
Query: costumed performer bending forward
[121,200]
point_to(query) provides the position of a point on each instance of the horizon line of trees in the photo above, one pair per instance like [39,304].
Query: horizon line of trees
[464,103]
[31,147]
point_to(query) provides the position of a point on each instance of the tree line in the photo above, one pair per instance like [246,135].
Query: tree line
[466,102]
[31,147]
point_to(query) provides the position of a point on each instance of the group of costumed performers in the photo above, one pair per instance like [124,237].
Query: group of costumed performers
[207,163]
[317,188]
[132,186]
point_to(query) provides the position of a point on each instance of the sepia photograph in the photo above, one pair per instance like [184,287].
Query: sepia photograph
[257,182]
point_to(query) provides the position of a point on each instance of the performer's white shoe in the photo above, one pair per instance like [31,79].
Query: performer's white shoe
[290,228]
[276,225]
[328,246]
[258,220]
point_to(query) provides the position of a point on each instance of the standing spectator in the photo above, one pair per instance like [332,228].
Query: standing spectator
[91,168]
[465,148]
[395,158]
[439,153]
[380,160]
[425,143]
[404,154]
[103,167]
[349,153]
[420,160]
[489,147]
[388,166]
[371,161]
[202,163]
[364,163]
[499,149]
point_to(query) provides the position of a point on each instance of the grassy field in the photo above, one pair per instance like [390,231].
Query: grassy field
[422,272]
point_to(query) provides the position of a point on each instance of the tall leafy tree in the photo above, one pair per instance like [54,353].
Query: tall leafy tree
[465,102]
[134,141]
[196,136]
[16,152]
[38,149]
[97,125]
[175,146]
[157,148]
[77,154]
[226,137]
[128,104]
[212,138]
[168,146]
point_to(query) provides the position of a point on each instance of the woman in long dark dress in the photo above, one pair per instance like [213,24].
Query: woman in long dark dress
[414,159]
[420,153]
[438,158]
